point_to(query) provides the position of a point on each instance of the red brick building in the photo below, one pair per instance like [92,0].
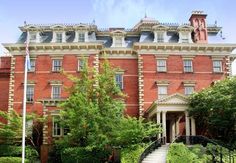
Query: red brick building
[160,63]
[5,66]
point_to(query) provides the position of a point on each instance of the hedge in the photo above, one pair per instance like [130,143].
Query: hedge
[12,160]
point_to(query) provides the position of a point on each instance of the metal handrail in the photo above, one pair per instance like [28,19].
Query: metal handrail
[154,145]
[191,140]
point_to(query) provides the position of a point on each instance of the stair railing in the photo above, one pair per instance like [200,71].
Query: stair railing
[154,145]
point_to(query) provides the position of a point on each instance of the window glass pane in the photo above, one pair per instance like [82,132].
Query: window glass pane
[59,37]
[56,126]
[188,90]
[217,66]
[57,65]
[119,80]
[160,37]
[32,37]
[81,63]
[161,65]
[188,66]
[81,37]
[29,93]
[56,92]
[118,41]
[162,91]
[32,65]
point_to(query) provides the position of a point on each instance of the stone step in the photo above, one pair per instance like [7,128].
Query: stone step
[157,156]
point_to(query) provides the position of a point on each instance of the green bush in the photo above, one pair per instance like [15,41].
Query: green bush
[131,154]
[81,155]
[12,160]
[179,153]
[15,151]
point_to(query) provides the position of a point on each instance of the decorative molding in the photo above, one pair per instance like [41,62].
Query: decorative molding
[11,85]
[140,85]
[189,83]
[55,82]
[162,82]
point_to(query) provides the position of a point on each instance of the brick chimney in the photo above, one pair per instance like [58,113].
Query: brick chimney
[198,21]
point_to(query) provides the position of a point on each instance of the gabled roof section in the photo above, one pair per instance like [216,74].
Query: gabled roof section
[160,27]
[185,27]
[176,98]
[146,21]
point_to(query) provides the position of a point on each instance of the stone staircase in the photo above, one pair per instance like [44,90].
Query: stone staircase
[158,155]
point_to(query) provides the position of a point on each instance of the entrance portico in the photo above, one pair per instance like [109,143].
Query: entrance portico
[171,113]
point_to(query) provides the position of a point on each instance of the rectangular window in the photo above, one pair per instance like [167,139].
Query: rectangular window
[81,64]
[188,90]
[118,41]
[119,80]
[32,65]
[32,37]
[188,66]
[57,130]
[56,91]
[59,37]
[30,93]
[217,66]
[185,38]
[161,65]
[56,65]
[81,37]
[162,92]
[160,37]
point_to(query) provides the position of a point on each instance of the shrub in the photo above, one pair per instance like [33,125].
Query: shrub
[12,160]
[15,151]
[82,155]
[131,154]
[179,153]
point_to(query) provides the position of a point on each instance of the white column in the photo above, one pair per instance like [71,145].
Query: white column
[76,36]
[63,36]
[86,36]
[193,127]
[173,131]
[158,121]
[164,125]
[155,37]
[177,125]
[187,126]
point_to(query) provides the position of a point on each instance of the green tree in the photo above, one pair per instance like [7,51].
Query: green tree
[214,109]
[94,113]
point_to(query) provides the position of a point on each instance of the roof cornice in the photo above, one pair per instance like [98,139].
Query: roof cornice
[156,48]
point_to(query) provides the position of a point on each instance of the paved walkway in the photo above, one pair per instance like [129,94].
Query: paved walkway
[157,156]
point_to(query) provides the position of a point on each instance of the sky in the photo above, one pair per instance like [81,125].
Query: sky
[112,13]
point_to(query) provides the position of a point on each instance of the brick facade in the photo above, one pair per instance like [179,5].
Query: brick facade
[135,52]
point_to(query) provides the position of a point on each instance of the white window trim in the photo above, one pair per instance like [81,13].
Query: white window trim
[185,89]
[162,95]
[122,79]
[158,70]
[191,61]
[221,66]
[30,85]
[34,60]
[61,129]
[78,63]
[53,70]
[55,85]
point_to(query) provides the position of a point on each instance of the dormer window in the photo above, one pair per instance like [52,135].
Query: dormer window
[185,38]
[33,37]
[118,41]
[81,37]
[58,37]
[160,37]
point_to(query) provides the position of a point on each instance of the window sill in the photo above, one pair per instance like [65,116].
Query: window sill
[55,71]
[218,72]
[29,102]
